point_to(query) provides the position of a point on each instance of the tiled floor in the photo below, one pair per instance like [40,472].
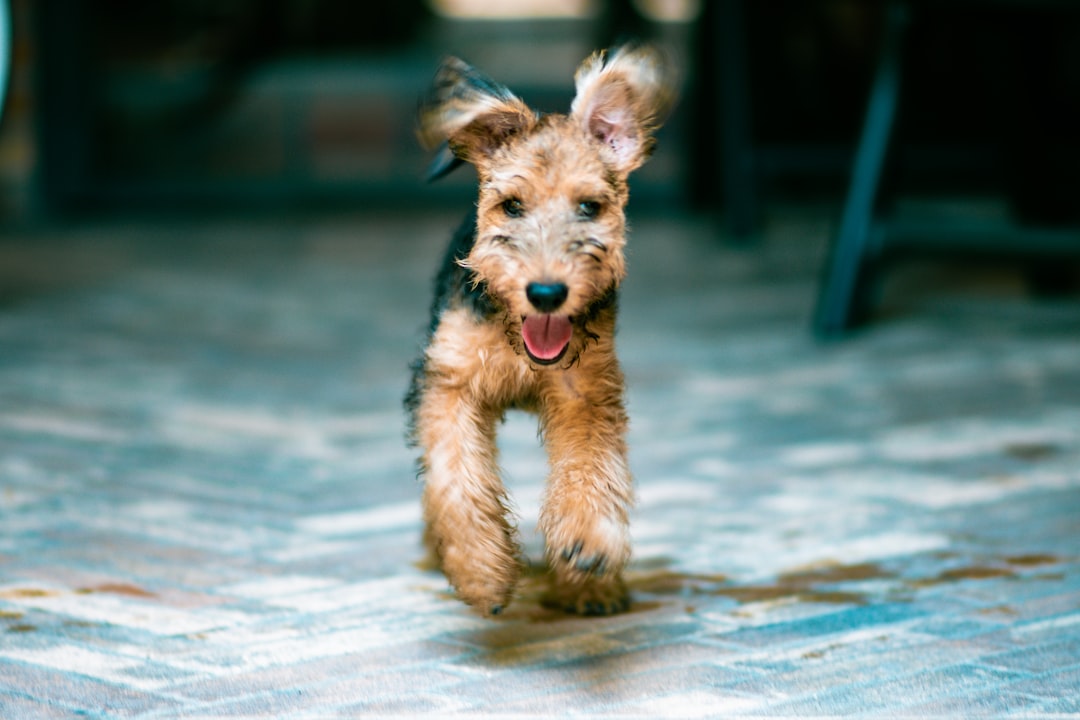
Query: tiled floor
[207,507]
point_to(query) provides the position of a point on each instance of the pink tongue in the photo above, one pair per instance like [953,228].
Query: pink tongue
[546,335]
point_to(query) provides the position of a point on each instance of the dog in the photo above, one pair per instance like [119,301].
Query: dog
[524,318]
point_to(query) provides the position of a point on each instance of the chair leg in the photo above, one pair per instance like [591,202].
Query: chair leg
[841,303]
[737,144]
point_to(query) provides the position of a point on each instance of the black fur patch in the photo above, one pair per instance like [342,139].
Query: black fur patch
[454,287]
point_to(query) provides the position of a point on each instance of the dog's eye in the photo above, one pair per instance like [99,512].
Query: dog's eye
[588,209]
[513,207]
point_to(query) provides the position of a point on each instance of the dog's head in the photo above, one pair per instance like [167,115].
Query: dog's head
[553,189]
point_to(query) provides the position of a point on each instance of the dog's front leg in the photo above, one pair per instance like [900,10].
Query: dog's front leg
[585,517]
[466,519]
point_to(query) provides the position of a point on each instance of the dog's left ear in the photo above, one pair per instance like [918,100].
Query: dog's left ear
[470,111]
[622,96]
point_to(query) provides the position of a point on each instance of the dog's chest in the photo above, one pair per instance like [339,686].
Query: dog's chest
[475,355]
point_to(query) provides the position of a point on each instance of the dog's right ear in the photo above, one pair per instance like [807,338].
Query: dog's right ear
[470,111]
[621,98]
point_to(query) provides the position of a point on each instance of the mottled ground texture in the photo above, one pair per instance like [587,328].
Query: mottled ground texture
[207,507]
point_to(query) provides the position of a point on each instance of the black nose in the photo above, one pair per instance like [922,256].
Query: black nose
[546,297]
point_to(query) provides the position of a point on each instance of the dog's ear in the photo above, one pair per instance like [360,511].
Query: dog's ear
[622,96]
[470,111]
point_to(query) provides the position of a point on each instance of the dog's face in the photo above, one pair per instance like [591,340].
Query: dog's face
[553,189]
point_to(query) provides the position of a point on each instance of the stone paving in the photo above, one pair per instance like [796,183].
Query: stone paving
[207,507]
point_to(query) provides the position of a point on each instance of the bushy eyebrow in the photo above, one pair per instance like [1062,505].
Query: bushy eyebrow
[505,185]
[598,193]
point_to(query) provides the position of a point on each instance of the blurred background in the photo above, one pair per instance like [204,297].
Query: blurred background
[128,104]
[216,242]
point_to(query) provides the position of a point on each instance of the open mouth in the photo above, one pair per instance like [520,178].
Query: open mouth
[546,337]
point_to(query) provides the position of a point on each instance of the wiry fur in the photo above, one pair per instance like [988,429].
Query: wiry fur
[550,211]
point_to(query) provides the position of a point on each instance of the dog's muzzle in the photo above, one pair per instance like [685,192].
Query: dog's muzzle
[546,336]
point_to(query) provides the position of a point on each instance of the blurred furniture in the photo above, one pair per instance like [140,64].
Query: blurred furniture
[284,104]
[722,93]
[5,51]
[1044,235]
[776,97]
[233,103]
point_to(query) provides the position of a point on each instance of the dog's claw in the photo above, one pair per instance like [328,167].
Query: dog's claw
[593,566]
[590,565]
[569,554]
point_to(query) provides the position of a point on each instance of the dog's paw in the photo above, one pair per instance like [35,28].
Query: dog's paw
[593,548]
[485,581]
[592,599]
[487,595]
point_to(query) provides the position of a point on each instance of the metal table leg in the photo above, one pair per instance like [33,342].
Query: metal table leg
[841,303]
